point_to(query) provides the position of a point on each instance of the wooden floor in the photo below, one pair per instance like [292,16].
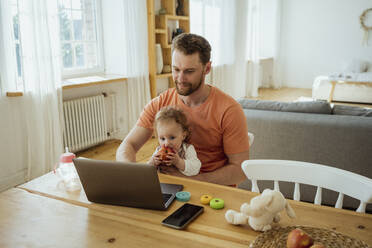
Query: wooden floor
[282,94]
[107,150]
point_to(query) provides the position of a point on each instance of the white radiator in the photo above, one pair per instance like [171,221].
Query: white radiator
[85,122]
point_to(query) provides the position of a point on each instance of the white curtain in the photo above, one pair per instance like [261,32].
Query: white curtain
[31,137]
[224,24]
[253,47]
[277,71]
[136,57]
[125,52]
[7,50]
[234,30]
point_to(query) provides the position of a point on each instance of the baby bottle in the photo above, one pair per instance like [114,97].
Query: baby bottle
[67,172]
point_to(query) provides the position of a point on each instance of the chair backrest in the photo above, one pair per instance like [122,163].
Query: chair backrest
[322,176]
[251,138]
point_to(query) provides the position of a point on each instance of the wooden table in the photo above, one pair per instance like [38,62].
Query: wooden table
[40,214]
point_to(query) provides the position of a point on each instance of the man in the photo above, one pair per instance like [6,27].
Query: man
[218,125]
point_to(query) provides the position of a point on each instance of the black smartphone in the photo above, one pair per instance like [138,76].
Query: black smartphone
[183,216]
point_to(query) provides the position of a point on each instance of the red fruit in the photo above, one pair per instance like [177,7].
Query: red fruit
[297,238]
[164,152]
[169,149]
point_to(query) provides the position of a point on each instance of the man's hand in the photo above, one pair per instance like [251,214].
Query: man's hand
[226,175]
[136,138]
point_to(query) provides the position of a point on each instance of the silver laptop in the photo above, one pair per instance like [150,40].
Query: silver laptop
[125,184]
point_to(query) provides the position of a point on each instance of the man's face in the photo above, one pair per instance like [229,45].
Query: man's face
[188,72]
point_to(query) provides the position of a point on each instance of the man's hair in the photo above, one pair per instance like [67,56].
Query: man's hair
[174,113]
[193,43]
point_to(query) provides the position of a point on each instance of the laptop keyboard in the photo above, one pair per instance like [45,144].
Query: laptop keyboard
[166,197]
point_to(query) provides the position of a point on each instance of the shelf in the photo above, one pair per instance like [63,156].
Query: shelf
[176,17]
[163,31]
[164,75]
[160,31]
[162,20]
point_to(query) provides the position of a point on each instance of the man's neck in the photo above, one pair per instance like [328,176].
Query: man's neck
[198,97]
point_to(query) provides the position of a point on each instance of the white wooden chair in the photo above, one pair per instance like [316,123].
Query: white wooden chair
[321,176]
[251,138]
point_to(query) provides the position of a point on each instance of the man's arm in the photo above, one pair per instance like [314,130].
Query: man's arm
[136,138]
[229,174]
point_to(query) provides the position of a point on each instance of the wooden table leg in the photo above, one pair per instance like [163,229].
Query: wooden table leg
[330,98]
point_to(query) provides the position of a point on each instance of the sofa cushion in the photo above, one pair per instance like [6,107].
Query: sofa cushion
[351,110]
[318,107]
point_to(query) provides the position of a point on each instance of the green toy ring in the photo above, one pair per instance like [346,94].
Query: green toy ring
[183,196]
[217,203]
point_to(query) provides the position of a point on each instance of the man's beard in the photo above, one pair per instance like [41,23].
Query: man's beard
[189,89]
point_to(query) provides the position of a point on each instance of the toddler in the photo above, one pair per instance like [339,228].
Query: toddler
[173,133]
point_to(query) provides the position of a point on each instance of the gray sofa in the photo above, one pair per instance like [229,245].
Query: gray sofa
[312,132]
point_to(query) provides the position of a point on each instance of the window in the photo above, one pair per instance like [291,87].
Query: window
[80,38]
[80,45]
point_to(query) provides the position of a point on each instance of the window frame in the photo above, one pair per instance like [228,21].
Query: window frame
[100,68]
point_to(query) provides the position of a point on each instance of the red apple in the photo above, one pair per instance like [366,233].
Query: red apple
[297,238]
[317,245]
[164,152]
[170,150]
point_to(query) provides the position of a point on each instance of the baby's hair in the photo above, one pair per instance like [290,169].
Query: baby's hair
[176,114]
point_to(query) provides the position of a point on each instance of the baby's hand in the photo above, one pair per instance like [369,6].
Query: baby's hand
[155,160]
[176,160]
[172,159]
[163,154]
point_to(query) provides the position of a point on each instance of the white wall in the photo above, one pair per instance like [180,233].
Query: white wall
[13,165]
[319,37]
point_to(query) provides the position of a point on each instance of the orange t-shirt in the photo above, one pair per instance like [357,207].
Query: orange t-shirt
[218,126]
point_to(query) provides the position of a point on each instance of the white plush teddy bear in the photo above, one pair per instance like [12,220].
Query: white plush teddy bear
[262,211]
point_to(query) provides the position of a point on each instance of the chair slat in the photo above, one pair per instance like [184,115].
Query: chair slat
[340,200]
[296,193]
[318,196]
[276,186]
[362,207]
[255,186]
[321,176]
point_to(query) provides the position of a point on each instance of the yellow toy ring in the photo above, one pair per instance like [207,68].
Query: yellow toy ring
[205,199]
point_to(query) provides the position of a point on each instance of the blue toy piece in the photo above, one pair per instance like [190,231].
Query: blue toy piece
[183,196]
